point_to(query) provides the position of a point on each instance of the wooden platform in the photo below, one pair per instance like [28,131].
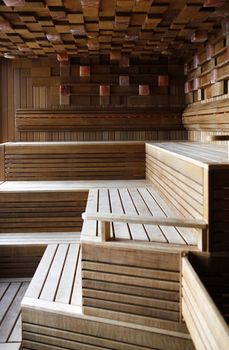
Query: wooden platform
[194,179]
[138,201]
[12,292]
[74,161]
[52,313]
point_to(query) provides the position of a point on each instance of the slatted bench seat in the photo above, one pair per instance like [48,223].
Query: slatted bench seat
[52,313]
[139,202]
[194,179]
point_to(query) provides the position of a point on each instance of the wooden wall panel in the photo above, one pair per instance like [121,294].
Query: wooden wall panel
[36,84]
[207,90]
[7,109]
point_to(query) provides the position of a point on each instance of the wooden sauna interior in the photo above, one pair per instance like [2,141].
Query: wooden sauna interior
[114,174]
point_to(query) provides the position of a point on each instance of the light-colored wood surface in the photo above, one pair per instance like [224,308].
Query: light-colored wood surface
[204,321]
[11,295]
[133,202]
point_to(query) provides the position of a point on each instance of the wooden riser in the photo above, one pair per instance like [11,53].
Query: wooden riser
[132,284]
[74,161]
[35,211]
[46,330]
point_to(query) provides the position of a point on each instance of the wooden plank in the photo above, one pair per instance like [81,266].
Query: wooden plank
[2,162]
[40,276]
[120,229]
[212,321]
[54,274]
[66,281]
[146,220]
[7,324]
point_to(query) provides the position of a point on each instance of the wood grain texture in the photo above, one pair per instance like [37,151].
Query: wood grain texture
[205,323]
[74,161]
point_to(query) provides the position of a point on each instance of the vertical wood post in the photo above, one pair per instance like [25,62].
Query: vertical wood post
[105,231]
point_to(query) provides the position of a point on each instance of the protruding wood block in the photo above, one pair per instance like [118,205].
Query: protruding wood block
[53,37]
[124,80]
[115,55]
[163,80]
[93,44]
[104,90]
[187,87]
[196,61]
[185,69]
[23,48]
[196,83]
[199,36]
[124,61]
[214,76]
[213,3]
[85,71]
[144,90]
[64,90]
[14,3]
[209,51]
[225,26]
[4,24]
[62,57]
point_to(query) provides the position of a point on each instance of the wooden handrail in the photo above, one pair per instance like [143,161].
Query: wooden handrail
[144,220]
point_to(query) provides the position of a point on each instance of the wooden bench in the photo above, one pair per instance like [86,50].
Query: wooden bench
[52,312]
[194,179]
[55,161]
[205,323]
[69,124]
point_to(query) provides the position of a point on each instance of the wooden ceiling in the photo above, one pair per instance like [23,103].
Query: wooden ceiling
[139,28]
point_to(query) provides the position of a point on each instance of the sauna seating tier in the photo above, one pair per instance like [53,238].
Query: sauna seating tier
[194,178]
[72,161]
[52,312]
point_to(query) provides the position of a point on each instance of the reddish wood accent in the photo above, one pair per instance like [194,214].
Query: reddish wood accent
[4,24]
[144,90]
[62,57]
[199,36]
[104,90]
[213,3]
[196,83]
[53,120]
[92,44]
[64,90]
[163,80]
[196,61]
[124,61]
[85,71]
[115,55]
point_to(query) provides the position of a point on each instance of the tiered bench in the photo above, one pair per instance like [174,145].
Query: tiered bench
[131,290]
[52,312]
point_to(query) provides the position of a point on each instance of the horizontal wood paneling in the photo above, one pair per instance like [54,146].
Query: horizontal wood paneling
[42,212]
[19,261]
[72,161]
[206,325]
[126,280]
[211,116]
[179,181]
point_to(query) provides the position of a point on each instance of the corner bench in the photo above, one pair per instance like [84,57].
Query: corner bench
[52,313]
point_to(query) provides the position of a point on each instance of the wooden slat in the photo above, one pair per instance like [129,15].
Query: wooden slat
[205,323]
